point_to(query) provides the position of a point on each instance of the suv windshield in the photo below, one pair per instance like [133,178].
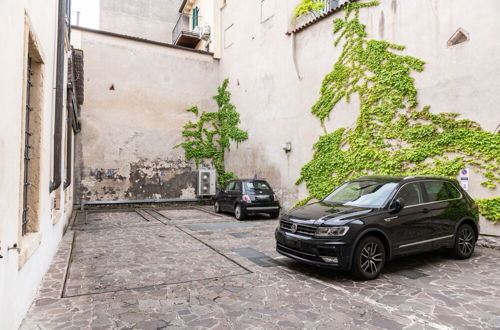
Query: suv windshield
[370,194]
[258,185]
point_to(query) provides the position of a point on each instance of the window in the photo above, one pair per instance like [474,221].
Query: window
[370,194]
[196,11]
[228,36]
[31,143]
[259,185]
[460,36]
[230,186]
[440,191]
[411,194]
[266,10]
[237,186]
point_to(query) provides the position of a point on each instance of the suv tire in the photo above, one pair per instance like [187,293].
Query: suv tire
[369,258]
[465,242]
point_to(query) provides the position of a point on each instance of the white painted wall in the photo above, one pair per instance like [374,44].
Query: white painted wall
[148,19]
[275,104]
[19,286]
[134,128]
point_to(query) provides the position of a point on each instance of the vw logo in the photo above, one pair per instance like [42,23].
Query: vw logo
[293,228]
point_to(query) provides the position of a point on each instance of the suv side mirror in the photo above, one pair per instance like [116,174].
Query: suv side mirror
[396,205]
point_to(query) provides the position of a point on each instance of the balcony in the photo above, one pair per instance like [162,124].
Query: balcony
[182,35]
[329,7]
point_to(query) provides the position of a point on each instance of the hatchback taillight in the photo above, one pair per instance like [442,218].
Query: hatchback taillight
[247,199]
[276,198]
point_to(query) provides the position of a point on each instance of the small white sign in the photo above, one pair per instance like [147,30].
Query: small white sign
[464,184]
[464,178]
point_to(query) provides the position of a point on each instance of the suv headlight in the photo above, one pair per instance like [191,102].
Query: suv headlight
[331,231]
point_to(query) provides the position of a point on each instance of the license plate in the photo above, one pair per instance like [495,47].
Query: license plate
[262,197]
[292,243]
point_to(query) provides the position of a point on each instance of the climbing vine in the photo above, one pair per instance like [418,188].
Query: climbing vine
[391,135]
[490,208]
[210,137]
[306,7]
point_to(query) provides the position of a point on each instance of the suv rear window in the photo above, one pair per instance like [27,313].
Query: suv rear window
[440,191]
[259,185]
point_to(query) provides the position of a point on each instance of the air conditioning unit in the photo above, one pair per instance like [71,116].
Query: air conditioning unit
[206,182]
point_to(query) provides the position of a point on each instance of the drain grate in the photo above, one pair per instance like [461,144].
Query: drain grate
[411,274]
[212,226]
[257,257]
[242,235]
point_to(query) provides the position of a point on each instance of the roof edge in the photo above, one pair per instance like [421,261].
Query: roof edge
[152,42]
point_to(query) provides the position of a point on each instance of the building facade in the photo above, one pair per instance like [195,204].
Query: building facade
[40,106]
[276,64]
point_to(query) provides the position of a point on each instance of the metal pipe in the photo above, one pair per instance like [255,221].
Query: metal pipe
[142,201]
[61,30]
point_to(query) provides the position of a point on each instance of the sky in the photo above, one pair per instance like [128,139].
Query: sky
[89,13]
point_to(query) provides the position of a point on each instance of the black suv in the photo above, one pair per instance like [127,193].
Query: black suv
[247,196]
[367,222]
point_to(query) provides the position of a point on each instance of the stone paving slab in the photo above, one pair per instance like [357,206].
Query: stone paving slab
[452,294]
[188,214]
[131,257]
[106,220]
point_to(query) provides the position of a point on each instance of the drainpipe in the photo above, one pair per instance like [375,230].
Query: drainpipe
[61,27]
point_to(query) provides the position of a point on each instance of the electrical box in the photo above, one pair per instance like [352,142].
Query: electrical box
[206,182]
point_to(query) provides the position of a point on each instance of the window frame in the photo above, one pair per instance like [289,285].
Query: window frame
[420,182]
[418,185]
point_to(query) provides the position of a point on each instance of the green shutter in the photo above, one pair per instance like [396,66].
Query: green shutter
[195,17]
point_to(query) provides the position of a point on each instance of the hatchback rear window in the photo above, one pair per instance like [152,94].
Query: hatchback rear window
[259,185]
[440,191]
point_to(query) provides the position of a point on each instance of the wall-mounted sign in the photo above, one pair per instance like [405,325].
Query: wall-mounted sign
[464,178]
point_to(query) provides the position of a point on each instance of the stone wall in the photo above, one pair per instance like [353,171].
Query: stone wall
[136,94]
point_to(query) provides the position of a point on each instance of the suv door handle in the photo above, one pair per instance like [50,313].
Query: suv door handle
[425,211]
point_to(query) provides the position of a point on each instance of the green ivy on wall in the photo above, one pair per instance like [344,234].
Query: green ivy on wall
[391,136]
[306,7]
[210,137]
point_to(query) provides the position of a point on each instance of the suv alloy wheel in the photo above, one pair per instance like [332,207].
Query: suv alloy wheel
[465,242]
[369,258]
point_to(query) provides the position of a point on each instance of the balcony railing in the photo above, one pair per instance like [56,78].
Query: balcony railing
[181,25]
[327,6]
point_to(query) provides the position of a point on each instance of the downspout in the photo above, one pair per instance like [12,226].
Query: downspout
[61,24]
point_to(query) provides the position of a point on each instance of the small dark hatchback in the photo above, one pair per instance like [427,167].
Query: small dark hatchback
[243,197]
[368,221]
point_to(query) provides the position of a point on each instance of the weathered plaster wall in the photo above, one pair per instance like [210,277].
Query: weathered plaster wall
[148,19]
[275,103]
[136,96]
[21,273]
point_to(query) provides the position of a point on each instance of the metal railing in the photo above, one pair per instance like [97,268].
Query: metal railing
[181,25]
[327,6]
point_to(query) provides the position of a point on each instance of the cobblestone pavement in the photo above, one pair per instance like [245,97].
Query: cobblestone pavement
[188,268]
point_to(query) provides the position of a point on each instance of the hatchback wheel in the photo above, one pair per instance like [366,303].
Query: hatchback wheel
[216,207]
[369,258]
[238,213]
[465,242]
[274,215]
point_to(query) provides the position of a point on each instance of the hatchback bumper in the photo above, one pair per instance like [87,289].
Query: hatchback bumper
[318,252]
[261,207]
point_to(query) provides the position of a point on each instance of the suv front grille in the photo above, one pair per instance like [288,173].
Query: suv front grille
[301,229]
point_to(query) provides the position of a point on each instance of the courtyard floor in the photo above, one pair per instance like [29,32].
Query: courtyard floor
[190,268]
